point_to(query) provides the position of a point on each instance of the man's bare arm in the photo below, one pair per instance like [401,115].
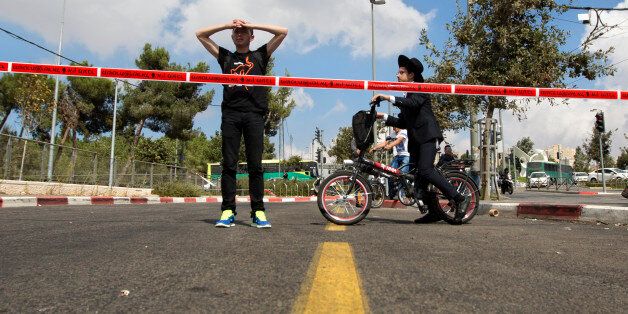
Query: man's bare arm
[279,32]
[203,35]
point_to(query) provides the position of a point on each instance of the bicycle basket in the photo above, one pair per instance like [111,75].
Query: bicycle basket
[362,124]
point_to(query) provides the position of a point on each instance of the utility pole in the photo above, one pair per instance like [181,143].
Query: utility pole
[473,131]
[56,101]
[112,160]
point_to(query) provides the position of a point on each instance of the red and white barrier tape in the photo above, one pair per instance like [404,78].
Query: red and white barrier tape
[255,80]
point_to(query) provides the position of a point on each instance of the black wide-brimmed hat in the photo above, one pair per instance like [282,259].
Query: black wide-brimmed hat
[412,65]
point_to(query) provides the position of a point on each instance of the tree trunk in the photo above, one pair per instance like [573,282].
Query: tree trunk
[6,117]
[131,158]
[485,165]
[60,149]
[74,155]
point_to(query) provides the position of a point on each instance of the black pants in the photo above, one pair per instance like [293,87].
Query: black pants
[422,156]
[236,124]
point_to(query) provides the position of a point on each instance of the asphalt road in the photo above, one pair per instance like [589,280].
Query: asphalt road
[170,258]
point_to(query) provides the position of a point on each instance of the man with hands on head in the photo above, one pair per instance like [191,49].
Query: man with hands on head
[244,109]
[424,134]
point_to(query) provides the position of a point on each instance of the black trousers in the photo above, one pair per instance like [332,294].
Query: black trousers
[234,125]
[422,156]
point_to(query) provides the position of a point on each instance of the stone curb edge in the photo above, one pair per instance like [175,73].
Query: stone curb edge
[576,212]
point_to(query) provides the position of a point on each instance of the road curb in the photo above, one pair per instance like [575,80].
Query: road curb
[573,212]
[29,201]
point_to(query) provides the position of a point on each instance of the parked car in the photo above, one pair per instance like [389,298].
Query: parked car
[581,176]
[538,179]
[609,174]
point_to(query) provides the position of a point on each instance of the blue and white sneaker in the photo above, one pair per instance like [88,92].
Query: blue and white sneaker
[227,219]
[259,220]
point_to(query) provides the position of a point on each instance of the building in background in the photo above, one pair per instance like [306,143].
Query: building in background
[567,154]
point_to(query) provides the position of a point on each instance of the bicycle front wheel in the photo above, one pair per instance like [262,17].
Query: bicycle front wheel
[341,203]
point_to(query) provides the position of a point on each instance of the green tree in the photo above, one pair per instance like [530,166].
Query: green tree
[293,163]
[280,104]
[525,144]
[164,107]
[8,85]
[508,43]
[622,159]
[592,147]
[162,150]
[94,98]
[198,153]
[341,149]
[581,161]
[33,98]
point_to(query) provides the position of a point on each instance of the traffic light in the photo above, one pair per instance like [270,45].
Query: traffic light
[318,156]
[599,122]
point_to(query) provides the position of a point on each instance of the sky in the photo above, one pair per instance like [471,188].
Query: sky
[327,39]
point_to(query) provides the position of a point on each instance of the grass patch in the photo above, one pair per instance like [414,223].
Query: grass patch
[177,189]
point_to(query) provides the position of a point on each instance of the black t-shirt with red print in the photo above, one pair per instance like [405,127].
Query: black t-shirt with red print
[239,97]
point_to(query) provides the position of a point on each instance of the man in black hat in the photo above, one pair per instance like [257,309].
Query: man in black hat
[424,134]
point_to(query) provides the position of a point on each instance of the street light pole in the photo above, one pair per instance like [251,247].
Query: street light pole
[473,130]
[56,100]
[112,160]
[373,3]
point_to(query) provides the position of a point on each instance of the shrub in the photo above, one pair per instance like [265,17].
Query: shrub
[177,189]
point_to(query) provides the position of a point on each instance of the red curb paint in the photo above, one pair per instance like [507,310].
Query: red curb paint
[393,204]
[102,200]
[1,201]
[587,193]
[275,199]
[52,200]
[189,199]
[301,199]
[568,212]
[165,200]
[211,200]
[139,200]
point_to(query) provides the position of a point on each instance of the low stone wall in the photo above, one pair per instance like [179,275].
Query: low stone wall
[11,187]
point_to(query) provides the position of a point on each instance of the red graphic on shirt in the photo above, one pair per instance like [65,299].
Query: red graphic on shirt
[243,68]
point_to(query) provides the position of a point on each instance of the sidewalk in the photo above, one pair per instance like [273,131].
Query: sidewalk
[608,214]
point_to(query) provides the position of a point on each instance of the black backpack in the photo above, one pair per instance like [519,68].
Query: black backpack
[362,124]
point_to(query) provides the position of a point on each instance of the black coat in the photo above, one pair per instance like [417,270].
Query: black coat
[417,117]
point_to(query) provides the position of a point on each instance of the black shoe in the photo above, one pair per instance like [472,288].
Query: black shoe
[460,206]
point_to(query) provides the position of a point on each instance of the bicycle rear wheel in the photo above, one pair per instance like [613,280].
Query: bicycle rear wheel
[340,205]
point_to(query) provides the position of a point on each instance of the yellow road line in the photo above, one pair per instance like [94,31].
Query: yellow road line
[334,227]
[332,284]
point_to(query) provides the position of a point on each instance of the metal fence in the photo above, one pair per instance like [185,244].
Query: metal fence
[27,160]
